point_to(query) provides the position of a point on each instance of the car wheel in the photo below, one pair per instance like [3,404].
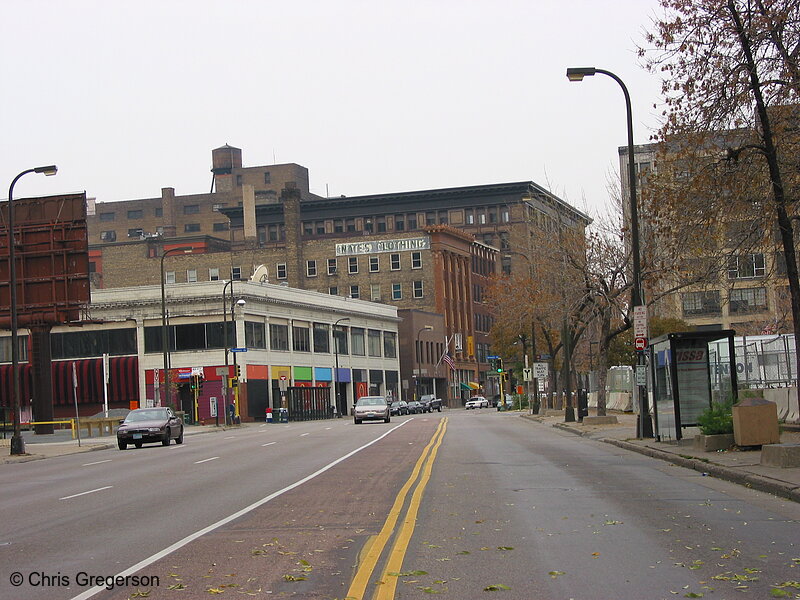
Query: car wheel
[357,421]
[439,409]
[387,419]
[137,444]
[179,439]
[167,437]
[122,445]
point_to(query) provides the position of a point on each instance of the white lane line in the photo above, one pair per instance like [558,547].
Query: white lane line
[326,429]
[99,462]
[267,444]
[108,487]
[304,434]
[230,437]
[197,462]
[200,533]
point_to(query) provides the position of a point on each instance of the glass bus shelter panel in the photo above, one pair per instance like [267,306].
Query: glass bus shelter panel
[694,381]
[663,400]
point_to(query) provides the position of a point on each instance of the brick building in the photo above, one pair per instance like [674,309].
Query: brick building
[429,253]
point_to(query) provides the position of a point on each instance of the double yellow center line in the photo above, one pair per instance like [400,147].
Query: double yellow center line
[420,474]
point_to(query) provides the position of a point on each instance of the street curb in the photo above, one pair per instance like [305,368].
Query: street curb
[749,480]
[28,457]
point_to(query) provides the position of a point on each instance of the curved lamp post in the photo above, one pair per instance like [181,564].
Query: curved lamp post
[164,336]
[17,443]
[644,425]
[419,355]
[336,398]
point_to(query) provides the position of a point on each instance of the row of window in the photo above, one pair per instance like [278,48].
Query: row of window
[741,301]
[407,221]
[110,235]
[395,264]
[158,211]
[315,337]
[375,292]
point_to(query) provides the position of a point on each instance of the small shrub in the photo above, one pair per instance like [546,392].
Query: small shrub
[717,419]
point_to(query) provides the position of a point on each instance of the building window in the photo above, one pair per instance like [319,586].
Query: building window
[221,226]
[368,225]
[333,290]
[191,276]
[397,291]
[354,293]
[505,214]
[374,264]
[213,274]
[443,218]
[319,227]
[278,336]
[399,223]
[340,340]
[301,339]
[416,260]
[159,212]
[267,178]
[390,344]
[280,270]
[255,335]
[321,338]
[308,228]
[134,233]
[748,300]
[352,265]
[381,224]
[191,209]
[239,180]
[504,241]
[135,214]
[394,262]
[469,217]
[311,268]
[746,266]
[108,236]
[375,292]
[374,342]
[169,277]
[350,225]
[332,266]
[107,216]
[338,226]
[412,222]
[191,227]
[701,303]
[216,206]
[236,273]
[417,289]
[357,341]
[482,218]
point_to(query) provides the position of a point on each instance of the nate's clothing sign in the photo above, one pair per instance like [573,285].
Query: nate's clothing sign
[422,243]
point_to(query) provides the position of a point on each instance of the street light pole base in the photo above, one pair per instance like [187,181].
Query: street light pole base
[17,445]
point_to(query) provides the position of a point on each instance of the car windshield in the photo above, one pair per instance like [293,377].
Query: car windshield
[156,414]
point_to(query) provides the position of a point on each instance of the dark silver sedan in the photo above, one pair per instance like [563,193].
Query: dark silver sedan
[371,408]
[149,425]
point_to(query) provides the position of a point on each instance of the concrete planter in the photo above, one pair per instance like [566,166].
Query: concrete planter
[712,443]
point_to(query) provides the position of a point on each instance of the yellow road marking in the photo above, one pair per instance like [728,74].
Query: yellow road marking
[398,553]
[361,579]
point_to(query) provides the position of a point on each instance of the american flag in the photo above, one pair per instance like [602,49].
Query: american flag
[449,360]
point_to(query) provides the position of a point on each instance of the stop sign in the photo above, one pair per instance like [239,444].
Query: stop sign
[640,343]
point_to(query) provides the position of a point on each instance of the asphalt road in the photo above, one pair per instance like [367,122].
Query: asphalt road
[483,502]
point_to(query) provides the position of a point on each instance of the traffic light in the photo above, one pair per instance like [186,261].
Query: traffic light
[498,365]
[200,380]
[238,371]
[193,382]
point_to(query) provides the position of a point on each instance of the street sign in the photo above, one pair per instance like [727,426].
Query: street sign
[640,321]
[283,384]
[540,370]
[222,370]
[492,356]
[641,375]
[212,403]
[238,349]
[527,374]
[640,343]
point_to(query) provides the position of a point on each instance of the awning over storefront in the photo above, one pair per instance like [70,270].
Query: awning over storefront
[464,386]
[474,386]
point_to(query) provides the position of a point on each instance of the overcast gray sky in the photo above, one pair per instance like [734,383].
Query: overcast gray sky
[371,96]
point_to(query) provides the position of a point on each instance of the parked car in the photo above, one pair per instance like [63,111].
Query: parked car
[398,407]
[149,425]
[371,408]
[430,403]
[477,402]
[414,407]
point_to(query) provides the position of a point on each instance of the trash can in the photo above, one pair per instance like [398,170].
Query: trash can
[269,415]
[184,416]
[284,415]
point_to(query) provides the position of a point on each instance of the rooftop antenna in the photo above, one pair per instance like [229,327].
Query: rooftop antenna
[327,193]
[273,157]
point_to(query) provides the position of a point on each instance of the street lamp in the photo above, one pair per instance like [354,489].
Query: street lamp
[17,443]
[164,336]
[644,425]
[336,398]
[419,353]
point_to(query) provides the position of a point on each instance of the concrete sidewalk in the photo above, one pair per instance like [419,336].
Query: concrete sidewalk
[61,443]
[739,466]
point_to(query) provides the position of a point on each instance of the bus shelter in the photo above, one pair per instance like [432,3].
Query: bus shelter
[689,373]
